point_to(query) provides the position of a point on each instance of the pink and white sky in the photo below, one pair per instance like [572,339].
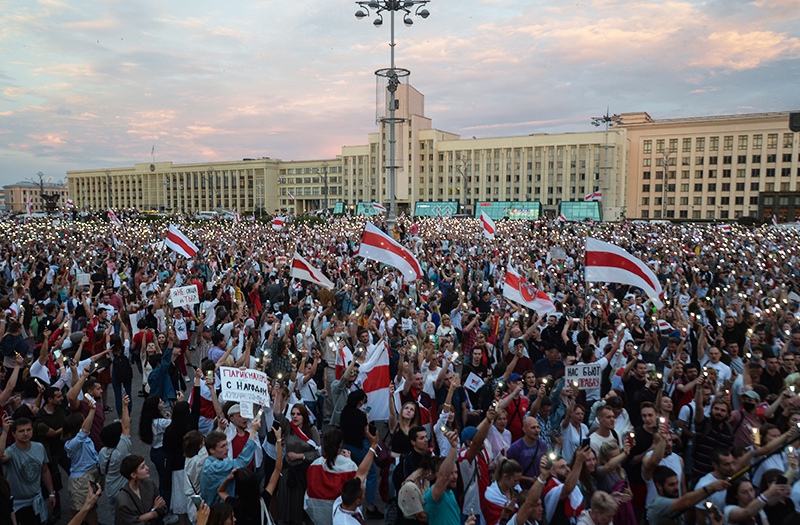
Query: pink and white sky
[93,84]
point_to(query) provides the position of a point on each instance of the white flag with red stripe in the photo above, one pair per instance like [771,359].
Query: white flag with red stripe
[180,243]
[594,196]
[378,246]
[378,207]
[521,292]
[343,358]
[236,217]
[278,223]
[611,264]
[725,228]
[302,269]
[561,218]
[488,226]
[70,203]
[29,206]
[113,218]
[374,378]
[664,326]
[774,220]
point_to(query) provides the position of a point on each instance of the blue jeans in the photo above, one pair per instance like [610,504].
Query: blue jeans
[358,455]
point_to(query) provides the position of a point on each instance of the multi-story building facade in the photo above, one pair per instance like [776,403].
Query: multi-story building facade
[716,169]
[17,195]
[716,166]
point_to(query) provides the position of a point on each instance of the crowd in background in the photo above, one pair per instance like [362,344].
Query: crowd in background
[695,419]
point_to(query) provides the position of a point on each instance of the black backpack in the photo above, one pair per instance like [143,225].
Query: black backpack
[121,366]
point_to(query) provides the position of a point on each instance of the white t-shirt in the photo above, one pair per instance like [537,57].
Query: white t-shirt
[672,461]
[717,498]
[571,439]
[723,370]
[596,441]
[344,517]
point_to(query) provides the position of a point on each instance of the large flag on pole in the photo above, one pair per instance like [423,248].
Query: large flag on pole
[113,218]
[301,269]
[378,246]
[521,292]
[594,196]
[611,264]
[278,223]
[378,207]
[488,226]
[180,243]
[374,378]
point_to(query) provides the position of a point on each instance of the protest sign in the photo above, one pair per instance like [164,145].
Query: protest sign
[84,279]
[185,295]
[246,387]
[473,382]
[587,375]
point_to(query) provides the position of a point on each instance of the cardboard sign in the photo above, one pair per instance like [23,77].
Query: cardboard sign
[84,279]
[587,375]
[184,295]
[246,387]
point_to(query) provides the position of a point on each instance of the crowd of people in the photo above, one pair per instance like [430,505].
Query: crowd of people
[695,418]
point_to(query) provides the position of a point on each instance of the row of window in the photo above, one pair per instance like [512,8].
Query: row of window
[726,173]
[713,160]
[696,214]
[698,201]
[713,143]
[302,171]
[712,187]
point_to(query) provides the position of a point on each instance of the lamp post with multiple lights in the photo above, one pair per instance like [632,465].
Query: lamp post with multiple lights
[596,122]
[392,75]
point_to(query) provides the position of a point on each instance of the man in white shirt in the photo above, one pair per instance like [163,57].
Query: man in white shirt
[662,455]
[724,466]
[712,360]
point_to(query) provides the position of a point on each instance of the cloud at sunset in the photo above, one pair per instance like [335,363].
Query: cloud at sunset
[90,84]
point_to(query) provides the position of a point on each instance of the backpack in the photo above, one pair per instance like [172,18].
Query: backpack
[121,367]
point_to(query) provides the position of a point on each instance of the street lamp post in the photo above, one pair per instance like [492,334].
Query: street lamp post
[392,75]
[324,174]
[606,120]
[259,201]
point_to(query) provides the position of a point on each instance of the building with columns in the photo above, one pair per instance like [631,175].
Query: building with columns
[717,167]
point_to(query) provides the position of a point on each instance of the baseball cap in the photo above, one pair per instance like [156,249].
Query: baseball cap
[468,433]
[235,409]
[753,395]
[514,377]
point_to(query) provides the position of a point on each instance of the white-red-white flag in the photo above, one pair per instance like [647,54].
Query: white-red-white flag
[664,326]
[522,292]
[180,243]
[113,218]
[378,207]
[374,378]
[561,218]
[378,246]
[290,195]
[236,217]
[611,264]
[278,223]
[725,228]
[594,196]
[29,206]
[774,220]
[302,269]
[488,226]
[70,203]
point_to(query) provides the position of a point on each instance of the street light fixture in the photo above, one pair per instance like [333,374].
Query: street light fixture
[596,122]
[392,75]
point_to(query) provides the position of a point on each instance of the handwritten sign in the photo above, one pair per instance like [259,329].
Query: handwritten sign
[587,375]
[246,387]
[184,295]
